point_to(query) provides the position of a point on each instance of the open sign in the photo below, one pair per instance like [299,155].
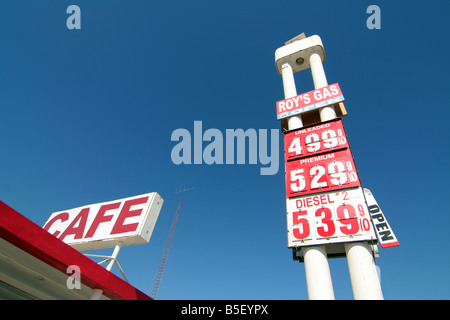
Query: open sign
[129,221]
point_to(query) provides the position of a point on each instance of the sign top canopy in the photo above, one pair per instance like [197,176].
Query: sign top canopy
[300,49]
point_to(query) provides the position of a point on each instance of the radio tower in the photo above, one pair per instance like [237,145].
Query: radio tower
[162,262]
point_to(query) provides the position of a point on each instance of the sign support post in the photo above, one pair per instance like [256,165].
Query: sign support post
[320,81]
[317,269]
[326,207]
[97,294]
[290,91]
[361,263]
[363,272]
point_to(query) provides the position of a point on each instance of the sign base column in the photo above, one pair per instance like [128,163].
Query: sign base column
[363,272]
[318,276]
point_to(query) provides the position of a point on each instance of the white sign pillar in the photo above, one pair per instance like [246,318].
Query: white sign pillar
[320,81]
[317,269]
[361,263]
[363,272]
[290,91]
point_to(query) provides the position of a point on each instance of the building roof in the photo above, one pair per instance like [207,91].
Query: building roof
[33,265]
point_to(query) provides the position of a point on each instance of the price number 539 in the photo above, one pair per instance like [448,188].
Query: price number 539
[347,218]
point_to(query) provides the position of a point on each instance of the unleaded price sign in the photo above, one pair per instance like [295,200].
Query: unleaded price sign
[325,137]
[330,217]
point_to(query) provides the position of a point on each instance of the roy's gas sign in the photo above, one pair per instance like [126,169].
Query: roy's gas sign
[309,101]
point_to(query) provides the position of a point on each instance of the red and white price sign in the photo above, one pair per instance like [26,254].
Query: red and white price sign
[331,217]
[317,139]
[321,173]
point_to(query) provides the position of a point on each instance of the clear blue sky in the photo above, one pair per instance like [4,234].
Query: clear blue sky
[86,116]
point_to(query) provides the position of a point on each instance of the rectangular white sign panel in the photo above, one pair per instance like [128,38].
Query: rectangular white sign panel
[384,232]
[329,217]
[129,221]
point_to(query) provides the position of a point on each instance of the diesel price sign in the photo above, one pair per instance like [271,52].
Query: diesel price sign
[330,217]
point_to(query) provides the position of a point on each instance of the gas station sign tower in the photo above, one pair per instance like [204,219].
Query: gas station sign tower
[327,212]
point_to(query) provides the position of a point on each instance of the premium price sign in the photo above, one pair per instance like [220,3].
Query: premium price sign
[330,217]
[326,172]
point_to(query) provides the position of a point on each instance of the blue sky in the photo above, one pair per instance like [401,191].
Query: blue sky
[86,116]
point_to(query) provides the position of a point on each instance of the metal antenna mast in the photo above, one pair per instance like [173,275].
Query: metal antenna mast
[162,262]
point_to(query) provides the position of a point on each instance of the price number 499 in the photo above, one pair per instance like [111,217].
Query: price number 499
[314,143]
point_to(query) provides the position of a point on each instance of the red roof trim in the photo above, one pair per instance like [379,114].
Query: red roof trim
[34,240]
